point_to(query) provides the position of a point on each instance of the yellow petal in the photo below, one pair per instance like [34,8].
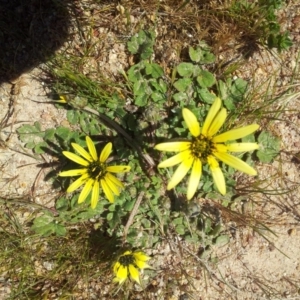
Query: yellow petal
[235,134]
[115,180]
[107,191]
[95,194]
[82,152]
[217,122]
[242,147]
[75,172]
[76,158]
[134,273]
[194,178]
[173,146]
[211,115]
[180,172]
[92,148]
[220,148]
[116,267]
[140,256]
[114,188]
[217,174]
[174,160]
[191,122]
[62,99]
[142,265]
[236,163]
[77,183]
[118,169]
[86,190]
[122,273]
[105,152]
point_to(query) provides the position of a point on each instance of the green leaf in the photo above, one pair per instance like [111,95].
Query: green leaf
[180,97]
[185,69]
[206,79]
[180,229]
[182,84]
[44,225]
[238,89]
[269,147]
[60,229]
[141,100]
[154,70]
[134,73]
[195,54]
[28,133]
[222,240]
[49,134]
[207,57]
[133,45]
[62,204]
[73,116]
[206,96]
[178,221]
[63,133]
[41,147]
[30,145]
[158,97]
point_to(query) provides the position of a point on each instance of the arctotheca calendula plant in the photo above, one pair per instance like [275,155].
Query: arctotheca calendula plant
[94,172]
[207,147]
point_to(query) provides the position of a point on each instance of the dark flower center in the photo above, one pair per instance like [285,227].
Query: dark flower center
[96,170]
[202,147]
[126,260]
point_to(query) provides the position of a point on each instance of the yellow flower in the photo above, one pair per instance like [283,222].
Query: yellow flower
[205,148]
[129,263]
[94,172]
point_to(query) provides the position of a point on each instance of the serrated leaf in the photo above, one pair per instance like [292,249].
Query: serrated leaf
[154,70]
[269,147]
[180,229]
[182,84]
[62,204]
[179,97]
[30,145]
[134,73]
[206,96]
[49,134]
[133,45]
[185,69]
[40,147]
[238,89]
[73,116]
[195,54]
[141,100]
[60,229]
[207,57]
[178,221]
[222,240]
[63,133]
[44,225]
[158,97]
[206,79]
[29,133]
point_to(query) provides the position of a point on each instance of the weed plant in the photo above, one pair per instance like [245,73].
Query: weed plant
[141,109]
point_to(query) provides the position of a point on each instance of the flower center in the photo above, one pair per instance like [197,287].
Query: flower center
[202,147]
[96,170]
[126,260]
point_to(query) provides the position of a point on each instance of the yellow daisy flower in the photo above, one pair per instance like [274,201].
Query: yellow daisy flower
[94,172]
[207,148]
[129,263]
